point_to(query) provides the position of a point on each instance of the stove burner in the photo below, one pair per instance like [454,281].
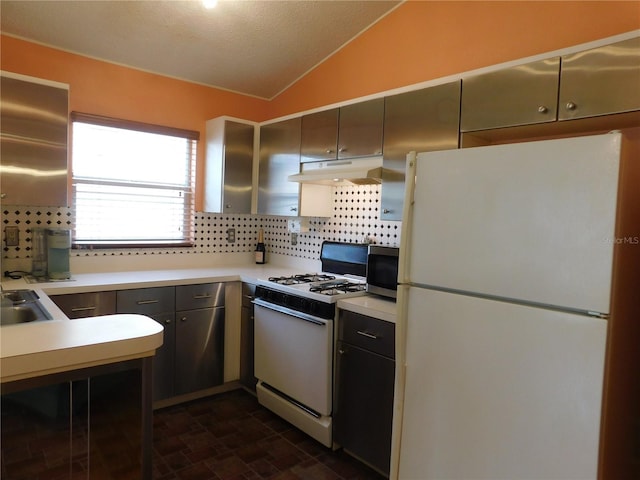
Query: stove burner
[302,278]
[337,287]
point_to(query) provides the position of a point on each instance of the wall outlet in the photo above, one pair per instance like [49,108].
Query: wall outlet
[11,236]
[231,235]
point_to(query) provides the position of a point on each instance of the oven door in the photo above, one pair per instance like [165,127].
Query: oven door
[293,354]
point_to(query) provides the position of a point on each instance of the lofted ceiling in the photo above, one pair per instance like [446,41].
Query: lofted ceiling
[254,47]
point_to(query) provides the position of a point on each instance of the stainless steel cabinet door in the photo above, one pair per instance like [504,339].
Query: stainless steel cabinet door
[229,166]
[319,140]
[199,349]
[521,95]
[33,119]
[164,359]
[279,158]
[422,121]
[600,81]
[360,131]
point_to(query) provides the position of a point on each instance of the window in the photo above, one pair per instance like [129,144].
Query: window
[132,183]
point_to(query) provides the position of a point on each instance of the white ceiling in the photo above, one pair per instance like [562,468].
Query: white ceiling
[252,47]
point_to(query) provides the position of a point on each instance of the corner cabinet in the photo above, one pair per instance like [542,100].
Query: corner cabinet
[422,121]
[33,138]
[229,166]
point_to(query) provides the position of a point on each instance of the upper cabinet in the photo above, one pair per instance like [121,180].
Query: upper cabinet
[279,158]
[591,83]
[339,133]
[229,166]
[422,120]
[33,142]
[600,81]
[319,138]
[360,129]
[521,95]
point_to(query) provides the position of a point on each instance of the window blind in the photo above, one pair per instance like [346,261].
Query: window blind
[133,183]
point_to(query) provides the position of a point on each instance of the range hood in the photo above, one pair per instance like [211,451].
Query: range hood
[356,171]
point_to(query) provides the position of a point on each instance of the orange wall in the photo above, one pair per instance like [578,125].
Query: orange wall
[102,88]
[426,40]
[419,41]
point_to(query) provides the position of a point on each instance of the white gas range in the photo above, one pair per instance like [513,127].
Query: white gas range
[294,337]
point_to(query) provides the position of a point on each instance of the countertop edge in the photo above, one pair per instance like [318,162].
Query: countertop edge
[372,306]
[74,344]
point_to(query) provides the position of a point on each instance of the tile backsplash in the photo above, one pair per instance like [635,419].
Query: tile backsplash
[356,219]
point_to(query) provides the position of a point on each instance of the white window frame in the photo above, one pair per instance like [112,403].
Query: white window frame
[179,195]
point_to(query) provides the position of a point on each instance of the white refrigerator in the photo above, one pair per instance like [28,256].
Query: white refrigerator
[504,299]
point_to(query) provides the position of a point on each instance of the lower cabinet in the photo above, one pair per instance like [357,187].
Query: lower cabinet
[191,357]
[199,349]
[165,358]
[89,423]
[365,373]
[192,354]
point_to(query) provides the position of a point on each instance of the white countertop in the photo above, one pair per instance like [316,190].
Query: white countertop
[39,348]
[372,306]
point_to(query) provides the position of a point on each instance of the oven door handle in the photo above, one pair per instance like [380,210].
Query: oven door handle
[293,313]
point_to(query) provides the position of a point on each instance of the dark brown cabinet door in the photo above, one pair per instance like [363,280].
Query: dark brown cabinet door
[364,410]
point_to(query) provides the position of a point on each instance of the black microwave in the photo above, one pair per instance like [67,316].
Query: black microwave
[382,270]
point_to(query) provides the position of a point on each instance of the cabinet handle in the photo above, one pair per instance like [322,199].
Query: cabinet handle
[542,109]
[82,309]
[386,210]
[342,149]
[294,209]
[342,351]
[228,205]
[329,151]
[183,319]
[571,106]
[146,302]
[3,195]
[200,297]
[366,334]
[167,322]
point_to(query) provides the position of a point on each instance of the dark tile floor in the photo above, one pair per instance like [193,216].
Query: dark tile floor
[231,437]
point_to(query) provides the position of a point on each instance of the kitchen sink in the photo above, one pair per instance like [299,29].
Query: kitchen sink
[21,306]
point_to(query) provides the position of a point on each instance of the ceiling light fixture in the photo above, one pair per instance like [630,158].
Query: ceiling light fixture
[209,4]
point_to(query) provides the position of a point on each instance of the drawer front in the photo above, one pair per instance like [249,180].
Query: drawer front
[191,297]
[370,333]
[82,305]
[147,301]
